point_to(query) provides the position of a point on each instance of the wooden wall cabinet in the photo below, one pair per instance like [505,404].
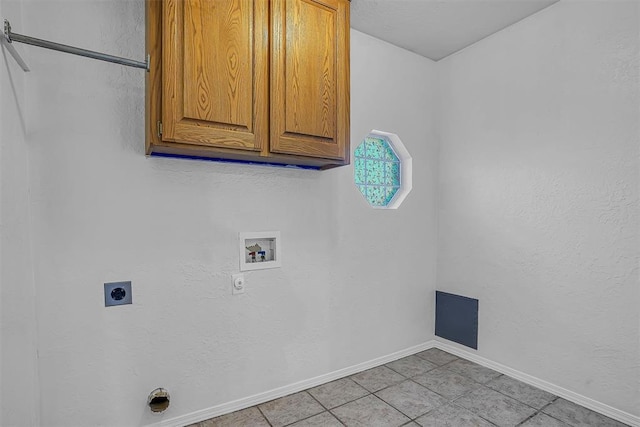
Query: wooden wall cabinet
[249,80]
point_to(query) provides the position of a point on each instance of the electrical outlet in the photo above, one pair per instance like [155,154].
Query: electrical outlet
[237,283]
[117,293]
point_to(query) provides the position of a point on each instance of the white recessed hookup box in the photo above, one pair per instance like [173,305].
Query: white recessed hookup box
[260,250]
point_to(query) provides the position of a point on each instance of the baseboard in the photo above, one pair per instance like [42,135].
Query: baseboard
[569,395]
[236,405]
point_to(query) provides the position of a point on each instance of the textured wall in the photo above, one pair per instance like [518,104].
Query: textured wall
[539,195]
[19,390]
[104,212]
[538,220]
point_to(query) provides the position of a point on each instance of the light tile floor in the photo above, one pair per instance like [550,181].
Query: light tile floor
[431,388]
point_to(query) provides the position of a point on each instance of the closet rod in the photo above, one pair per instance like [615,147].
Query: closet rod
[14,37]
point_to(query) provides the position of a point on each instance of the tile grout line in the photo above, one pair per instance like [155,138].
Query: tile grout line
[455,399]
[410,378]
[528,418]
[346,403]
[449,401]
[263,415]
[369,393]
[518,400]
[478,415]
[454,402]
[486,385]
[310,416]
[399,410]
[544,413]
[383,388]
[326,409]
[350,401]
[389,404]
[373,393]
[314,398]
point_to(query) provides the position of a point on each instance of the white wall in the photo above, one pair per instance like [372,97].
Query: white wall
[102,211]
[18,345]
[538,219]
[538,205]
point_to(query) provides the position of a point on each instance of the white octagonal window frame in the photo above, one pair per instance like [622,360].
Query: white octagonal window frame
[406,168]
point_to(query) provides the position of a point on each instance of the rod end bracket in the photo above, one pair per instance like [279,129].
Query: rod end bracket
[7,30]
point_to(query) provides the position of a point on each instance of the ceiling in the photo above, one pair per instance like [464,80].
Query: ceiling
[438,28]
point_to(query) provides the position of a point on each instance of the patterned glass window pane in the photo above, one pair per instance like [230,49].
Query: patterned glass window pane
[392,174]
[377,171]
[391,191]
[359,171]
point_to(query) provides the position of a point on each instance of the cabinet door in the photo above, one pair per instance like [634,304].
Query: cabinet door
[310,78]
[215,73]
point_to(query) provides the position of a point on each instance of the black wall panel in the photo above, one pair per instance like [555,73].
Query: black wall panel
[457,319]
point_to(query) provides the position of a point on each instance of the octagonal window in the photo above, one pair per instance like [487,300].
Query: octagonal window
[382,170]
